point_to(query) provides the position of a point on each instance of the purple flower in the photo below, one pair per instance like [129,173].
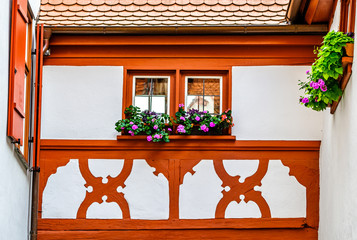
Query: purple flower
[315,85]
[197,118]
[321,82]
[182,118]
[323,88]
[305,100]
[212,124]
[134,127]
[307,72]
[204,128]
[181,105]
[169,129]
[181,129]
[156,127]
[131,123]
[149,138]
[157,136]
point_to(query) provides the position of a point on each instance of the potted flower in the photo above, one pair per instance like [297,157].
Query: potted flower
[322,86]
[156,126]
[194,122]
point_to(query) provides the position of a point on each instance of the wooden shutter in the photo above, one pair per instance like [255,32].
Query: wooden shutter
[17,71]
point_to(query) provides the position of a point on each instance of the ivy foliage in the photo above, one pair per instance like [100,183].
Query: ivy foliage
[321,87]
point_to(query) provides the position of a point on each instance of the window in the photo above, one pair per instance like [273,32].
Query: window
[162,91]
[204,93]
[152,93]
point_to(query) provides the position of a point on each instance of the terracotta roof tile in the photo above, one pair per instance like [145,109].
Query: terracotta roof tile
[162,12]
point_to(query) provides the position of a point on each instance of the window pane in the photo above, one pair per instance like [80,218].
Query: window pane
[212,87]
[142,86]
[195,102]
[159,86]
[159,104]
[195,86]
[142,102]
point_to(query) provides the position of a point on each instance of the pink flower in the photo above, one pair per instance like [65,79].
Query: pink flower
[305,100]
[204,111]
[315,85]
[307,72]
[181,129]
[197,118]
[181,105]
[131,133]
[204,128]
[169,129]
[153,120]
[182,118]
[316,98]
[149,138]
[157,136]
[321,82]
[131,123]
[323,88]
[134,127]
[122,127]
[212,124]
[156,127]
[311,84]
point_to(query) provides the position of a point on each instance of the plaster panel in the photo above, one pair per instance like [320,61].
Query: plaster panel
[105,167]
[200,192]
[81,102]
[242,210]
[104,210]
[146,194]
[243,168]
[285,196]
[64,192]
[265,104]
[338,167]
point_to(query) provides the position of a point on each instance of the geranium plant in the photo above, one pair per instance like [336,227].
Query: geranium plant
[322,87]
[196,122]
[156,126]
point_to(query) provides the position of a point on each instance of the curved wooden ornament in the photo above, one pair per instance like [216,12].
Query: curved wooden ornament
[246,188]
[108,189]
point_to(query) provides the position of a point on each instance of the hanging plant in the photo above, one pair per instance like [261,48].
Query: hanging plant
[322,86]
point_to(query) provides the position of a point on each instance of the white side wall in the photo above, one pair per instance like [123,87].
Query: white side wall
[81,102]
[338,166]
[14,179]
[265,104]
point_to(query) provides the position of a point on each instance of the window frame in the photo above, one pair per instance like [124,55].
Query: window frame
[153,76]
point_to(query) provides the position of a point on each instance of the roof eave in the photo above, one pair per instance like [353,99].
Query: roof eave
[193,30]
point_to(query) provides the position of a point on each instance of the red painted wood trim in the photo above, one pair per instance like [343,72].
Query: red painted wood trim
[182,137]
[239,145]
[117,224]
[276,40]
[261,234]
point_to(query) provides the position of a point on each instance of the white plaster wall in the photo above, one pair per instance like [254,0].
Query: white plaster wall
[81,102]
[338,168]
[265,104]
[14,179]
